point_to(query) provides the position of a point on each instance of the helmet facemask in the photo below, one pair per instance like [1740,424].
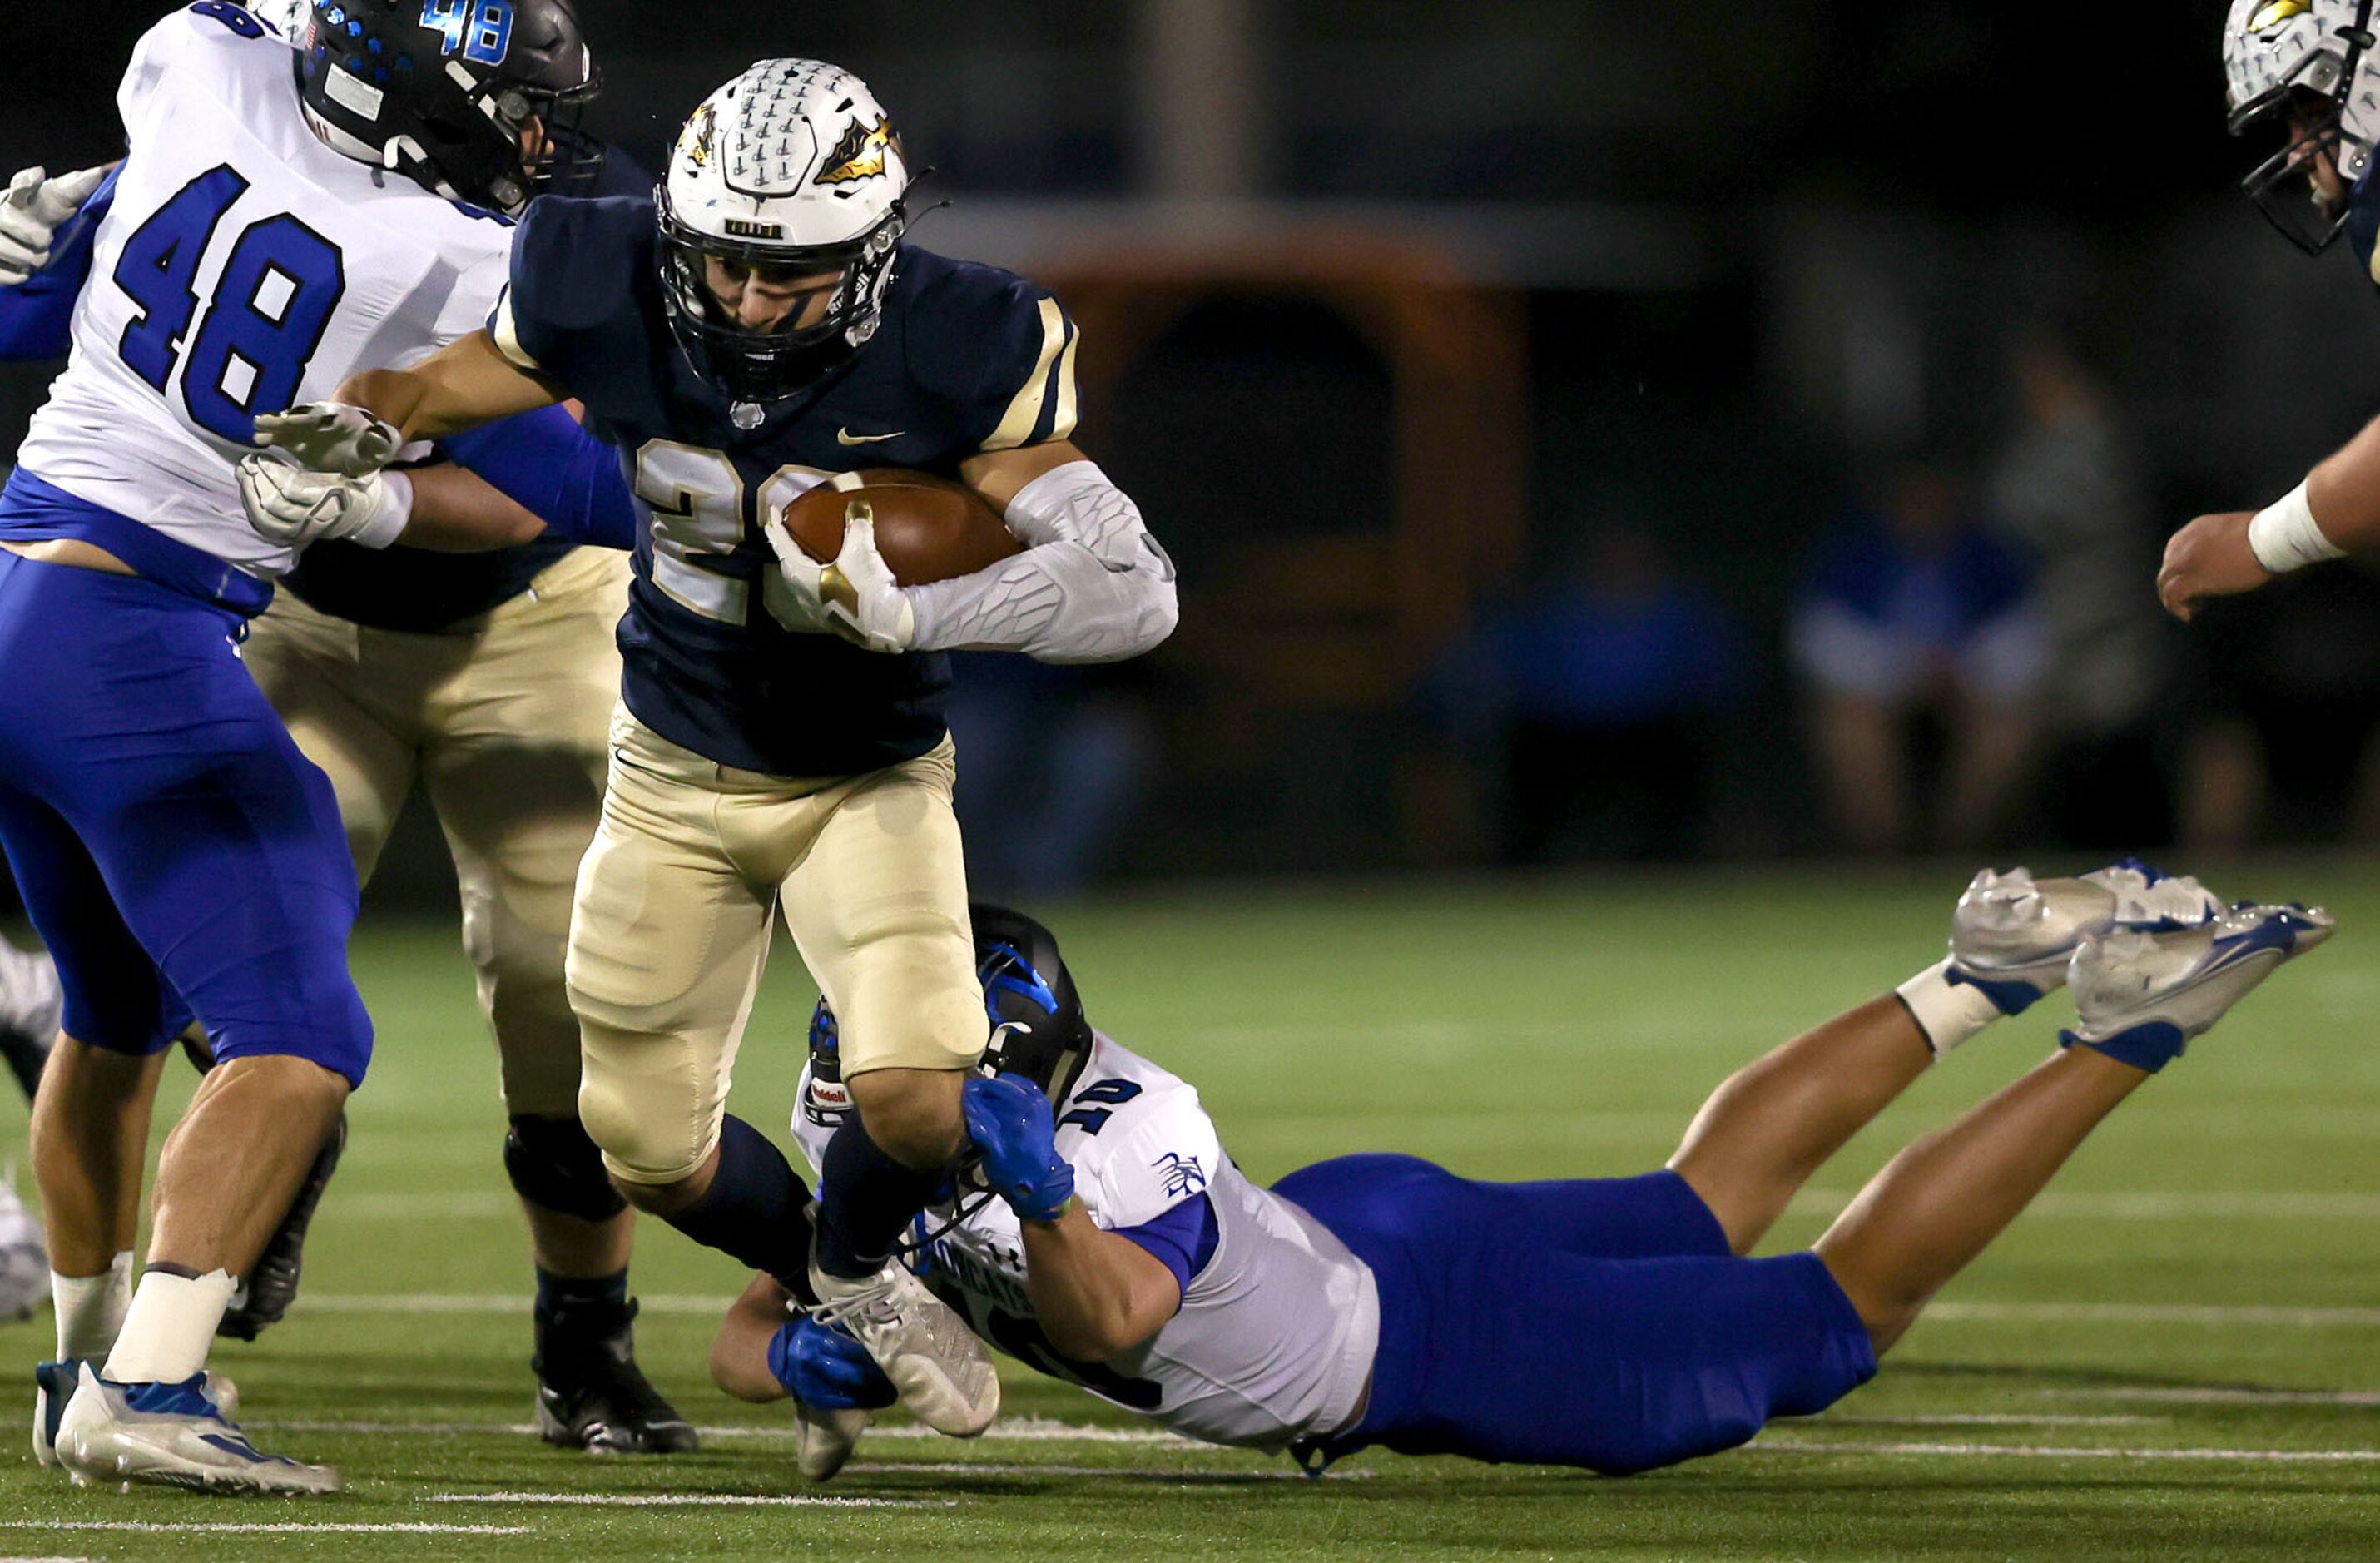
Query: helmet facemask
[775,363]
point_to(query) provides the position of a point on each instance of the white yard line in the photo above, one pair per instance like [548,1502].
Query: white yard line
[695,1501]
[1022,1430]
[2021,1451]
[2116,1205]
[1985,1419]
[393,1527]
[2193,1394]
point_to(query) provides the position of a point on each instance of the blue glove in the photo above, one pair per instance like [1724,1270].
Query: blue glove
[1009,1120]
[824,1367]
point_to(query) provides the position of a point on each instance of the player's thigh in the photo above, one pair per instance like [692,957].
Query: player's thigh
[220,844]
[879,909]
[338,705]
[667,941]
[513,768]
[115,998]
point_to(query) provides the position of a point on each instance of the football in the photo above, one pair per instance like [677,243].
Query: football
[927,528]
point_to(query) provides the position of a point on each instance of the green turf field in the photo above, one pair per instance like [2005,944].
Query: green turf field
[2176,1355]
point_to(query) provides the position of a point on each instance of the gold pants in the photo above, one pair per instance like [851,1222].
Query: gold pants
[502,718]
[676,903]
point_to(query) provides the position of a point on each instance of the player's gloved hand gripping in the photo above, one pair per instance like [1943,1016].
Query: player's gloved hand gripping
[30,214]
[856,597]
[332,437]
[1010,1121]
[295,507]
[821,1366]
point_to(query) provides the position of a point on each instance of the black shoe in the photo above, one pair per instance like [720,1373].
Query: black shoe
[272,1285]
[592,1395]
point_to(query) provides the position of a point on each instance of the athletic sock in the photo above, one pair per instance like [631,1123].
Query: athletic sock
[561,1298]
[91,1309]
[1947,1012]
[866,1201]
[169,1327]
[752,1211]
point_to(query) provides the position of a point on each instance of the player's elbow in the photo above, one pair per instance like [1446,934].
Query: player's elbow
[1097,1340]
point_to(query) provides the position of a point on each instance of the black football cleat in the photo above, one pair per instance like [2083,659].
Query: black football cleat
[271,1285]
[592,1395]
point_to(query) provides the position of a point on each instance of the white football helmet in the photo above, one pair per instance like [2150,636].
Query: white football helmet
[2305,71]
[792,170]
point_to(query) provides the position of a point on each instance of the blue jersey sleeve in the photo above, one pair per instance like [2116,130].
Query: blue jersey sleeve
[1183,1238]
[999,352]
[545,463]
[37,316]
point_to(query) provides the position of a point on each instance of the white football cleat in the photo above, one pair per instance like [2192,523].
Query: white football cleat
[54,1385]
[826,1438]
[170,1435]
[2140,997]
[942,1371]
[2013,936]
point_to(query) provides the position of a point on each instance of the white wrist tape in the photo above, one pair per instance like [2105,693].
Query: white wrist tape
[2285,536]
[395,513]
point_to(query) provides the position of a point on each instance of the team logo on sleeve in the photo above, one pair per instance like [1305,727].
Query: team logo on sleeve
[1183,1174]
[861,152]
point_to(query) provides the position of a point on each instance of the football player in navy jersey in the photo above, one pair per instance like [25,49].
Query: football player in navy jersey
[1615,1324]
[2306,75]
[760,328]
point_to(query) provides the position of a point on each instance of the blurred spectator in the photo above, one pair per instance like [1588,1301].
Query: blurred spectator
[1600,699]
[1913,614]
[1051,762]
[2065,485]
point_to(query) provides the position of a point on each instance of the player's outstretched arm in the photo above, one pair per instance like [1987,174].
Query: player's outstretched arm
[1095,1295]
[463,385]
[2335,511]
[739,1353]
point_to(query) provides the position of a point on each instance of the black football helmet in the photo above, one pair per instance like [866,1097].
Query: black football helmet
[441,92]
[1038,1030]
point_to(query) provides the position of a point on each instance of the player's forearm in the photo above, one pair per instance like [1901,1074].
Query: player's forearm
[1095,1295]
[2344,493]
[462,386]
[1056,603]
[455,511]
[739,1353]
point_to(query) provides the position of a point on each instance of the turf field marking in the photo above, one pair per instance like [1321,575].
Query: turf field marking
[2180,1395]
[1131,1472]
[2024,1451]
[357,1528]
[1025,1430]
[2152,1206]
[1987,1419]
[696,1500]
[2157,1313]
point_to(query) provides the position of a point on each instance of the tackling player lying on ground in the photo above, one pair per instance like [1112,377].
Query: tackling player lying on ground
[1609,1324]
[2307,76]
[204,870]
[489,677]
[757,329]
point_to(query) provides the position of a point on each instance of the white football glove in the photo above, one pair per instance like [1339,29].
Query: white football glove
[30,214]
[332,437]
[291,506]
[856,597]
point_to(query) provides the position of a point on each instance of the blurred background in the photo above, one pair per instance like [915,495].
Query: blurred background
[1595,433]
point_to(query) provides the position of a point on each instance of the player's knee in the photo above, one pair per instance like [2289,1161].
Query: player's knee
[1884,1310]
[912,1114]
[555,1165]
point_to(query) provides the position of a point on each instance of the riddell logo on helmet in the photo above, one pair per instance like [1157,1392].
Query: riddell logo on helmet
[861,152]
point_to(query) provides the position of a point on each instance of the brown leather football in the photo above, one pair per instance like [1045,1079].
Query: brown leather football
[927,528]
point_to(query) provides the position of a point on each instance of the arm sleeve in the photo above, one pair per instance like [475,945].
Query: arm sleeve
[1095,586]
[37,317]
[1183,1238]
[544,462]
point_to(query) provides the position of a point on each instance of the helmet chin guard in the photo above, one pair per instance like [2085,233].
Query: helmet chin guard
[792,170]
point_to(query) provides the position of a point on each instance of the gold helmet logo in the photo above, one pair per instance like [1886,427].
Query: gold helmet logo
[2278,12]
[861,152]
[699,135]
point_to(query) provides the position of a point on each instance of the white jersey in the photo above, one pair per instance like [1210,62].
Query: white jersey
[1277,1330]
[243,267]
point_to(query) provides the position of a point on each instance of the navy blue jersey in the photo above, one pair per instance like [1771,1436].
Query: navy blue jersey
[968,358]
[421,591]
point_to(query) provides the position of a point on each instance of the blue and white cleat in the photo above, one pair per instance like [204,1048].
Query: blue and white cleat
[170,1435]
[54,1385]
[2013,936]
[2140,997]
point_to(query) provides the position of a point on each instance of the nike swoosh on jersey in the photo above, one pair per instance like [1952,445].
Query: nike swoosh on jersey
[846,437]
